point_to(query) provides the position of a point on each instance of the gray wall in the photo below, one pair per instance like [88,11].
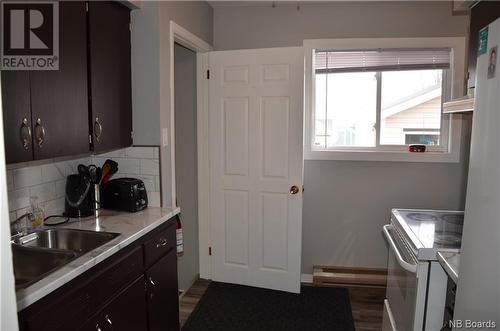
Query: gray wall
[347,202]
[186,161]
[150,57]
[254,26]
[151,70]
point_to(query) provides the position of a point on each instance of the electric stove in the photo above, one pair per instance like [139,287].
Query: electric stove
[427,231]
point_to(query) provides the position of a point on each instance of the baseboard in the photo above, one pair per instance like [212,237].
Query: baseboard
[306,278]
[349,276]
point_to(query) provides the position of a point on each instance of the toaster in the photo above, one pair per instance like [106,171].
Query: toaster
[127,194]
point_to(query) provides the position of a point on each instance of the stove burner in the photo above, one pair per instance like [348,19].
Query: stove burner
[422,217]
[448,238]
[453,219]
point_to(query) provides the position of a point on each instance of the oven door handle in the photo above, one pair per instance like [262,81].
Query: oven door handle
[405,265]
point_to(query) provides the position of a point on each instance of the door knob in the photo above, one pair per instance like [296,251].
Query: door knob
[294,189]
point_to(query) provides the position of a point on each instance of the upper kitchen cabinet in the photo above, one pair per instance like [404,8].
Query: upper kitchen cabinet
[59,99]
[46,112]
[110,75]
[482,14]
[17,116]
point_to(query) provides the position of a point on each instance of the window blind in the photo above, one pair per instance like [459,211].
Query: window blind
[381,60]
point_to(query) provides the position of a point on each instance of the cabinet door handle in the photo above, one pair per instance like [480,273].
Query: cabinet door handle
[161,242]
[25,134]
[151,292]
[108,319]
[97,129]
[39,133]
[97,327]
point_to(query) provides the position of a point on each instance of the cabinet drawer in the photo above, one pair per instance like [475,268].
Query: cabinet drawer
[115,277]
[159,244]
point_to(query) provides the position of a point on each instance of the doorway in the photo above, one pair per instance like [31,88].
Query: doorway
[186,160]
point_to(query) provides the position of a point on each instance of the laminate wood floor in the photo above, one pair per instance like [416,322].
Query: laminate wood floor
[366,302]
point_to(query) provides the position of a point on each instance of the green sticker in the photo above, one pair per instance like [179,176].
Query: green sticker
[483,41]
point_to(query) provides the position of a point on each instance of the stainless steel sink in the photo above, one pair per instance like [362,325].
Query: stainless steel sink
[79,241]
[32,264]
[41,252]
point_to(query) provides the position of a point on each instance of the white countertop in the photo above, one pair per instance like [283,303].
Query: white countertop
[450,261]
[131,227]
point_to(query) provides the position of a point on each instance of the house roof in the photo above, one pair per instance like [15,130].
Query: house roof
[411,101]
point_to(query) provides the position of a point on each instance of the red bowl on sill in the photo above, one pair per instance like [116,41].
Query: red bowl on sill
[416,148]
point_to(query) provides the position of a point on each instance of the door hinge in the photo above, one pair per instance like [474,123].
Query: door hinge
[208,74]
[210,250]
[86,6]
[90,139]
[130,26]
[132,134]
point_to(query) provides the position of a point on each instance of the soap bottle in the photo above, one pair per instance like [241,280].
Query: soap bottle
[37,213]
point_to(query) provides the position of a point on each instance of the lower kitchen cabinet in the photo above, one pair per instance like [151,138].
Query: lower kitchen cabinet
[126,292]
[161,280]
[126,312]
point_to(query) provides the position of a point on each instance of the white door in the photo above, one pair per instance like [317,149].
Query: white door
[255,133]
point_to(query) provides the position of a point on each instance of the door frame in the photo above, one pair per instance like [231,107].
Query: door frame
[182,36]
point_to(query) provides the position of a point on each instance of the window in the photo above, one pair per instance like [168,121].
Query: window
[372,98]
[366,99]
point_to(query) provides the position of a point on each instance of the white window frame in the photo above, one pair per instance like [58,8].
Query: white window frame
[451,129]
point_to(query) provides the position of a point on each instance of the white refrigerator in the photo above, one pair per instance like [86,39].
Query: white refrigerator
[478,290]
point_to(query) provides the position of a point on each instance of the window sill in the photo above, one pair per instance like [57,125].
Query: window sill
[383,156]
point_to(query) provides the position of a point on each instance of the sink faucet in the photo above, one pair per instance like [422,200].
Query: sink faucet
[16,228]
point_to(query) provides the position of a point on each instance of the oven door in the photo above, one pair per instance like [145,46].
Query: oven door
[405,296]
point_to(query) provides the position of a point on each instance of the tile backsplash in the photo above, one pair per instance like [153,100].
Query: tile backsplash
[47,179]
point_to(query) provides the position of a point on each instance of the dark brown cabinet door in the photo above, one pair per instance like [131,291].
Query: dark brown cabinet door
[163,297]
[59,99]
[127,312]
[110,77]
[17,116]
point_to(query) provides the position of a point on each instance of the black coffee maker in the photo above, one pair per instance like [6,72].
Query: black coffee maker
[79,195]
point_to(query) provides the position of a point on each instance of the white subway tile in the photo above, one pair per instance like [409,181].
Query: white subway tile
[44,192]
[150,167]
[154,199]
[129,166]
[53,207]
[19,199]
[25,177]
[23,211]
[112,154]
[51,173]
[61,188]
[139,152]
[157,184]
